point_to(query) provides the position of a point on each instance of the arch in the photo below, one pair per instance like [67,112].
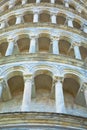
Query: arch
[71,83]
[43,44]
[12,20]
[11,71]
[60,2]
[61,18]
[77,23]
[83,51]
[18,2]
[6,7]
[3,48]
[31,1]
[23,44]
[28,16]
[44,16]
[48,1]
[43,86]
[65,47]
[72,6]
[16,82]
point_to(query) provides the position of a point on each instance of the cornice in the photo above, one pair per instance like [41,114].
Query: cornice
[26,57]
[42,120]
[42,25]
[49,5]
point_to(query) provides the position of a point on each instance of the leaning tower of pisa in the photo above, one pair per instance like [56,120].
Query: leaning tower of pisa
[43,64]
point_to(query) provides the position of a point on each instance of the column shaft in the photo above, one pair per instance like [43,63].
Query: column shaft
[52,1]
[27,95]
[19,19]
[77,52]
[3,24]
[70,22]
[55,46]
[60,106]
[10,48]
[35,18]
[66,3]
[32,48]
[24,2]
[38,1]
[53,18]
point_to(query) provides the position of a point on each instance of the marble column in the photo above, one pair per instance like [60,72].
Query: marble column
[24,2]
[38,1]
[70,21]
[59,97]
[32,48]
[1,88]
[11,4]
[77,51]
[52,1]
[66,3]
[35,17]
[53,18]
[85,28]
[19,18]
[55,46]
[3,24]
[10,47]
[85,92]
[26,102]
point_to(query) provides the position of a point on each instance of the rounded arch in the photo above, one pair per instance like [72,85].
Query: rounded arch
[65,47]
[6,7]
[71,84]
[48,1]
[60,2]
[42,67]
[44,43]
[18,2]
[83,51]
[44,16]
[78,76]
[14,70]
[11,20]
[61,18]
[23,43]
[28,16]
[16,82]
[3,47]
[72,6]
[77,23]
[31,1]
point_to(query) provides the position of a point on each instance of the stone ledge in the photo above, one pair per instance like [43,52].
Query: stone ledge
[37,25]
[43,4]
[40,57]
[42,119]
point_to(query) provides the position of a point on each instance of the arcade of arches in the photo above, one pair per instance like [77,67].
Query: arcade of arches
[42,93]
[43,43]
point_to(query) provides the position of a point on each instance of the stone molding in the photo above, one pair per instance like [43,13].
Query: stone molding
[55,120]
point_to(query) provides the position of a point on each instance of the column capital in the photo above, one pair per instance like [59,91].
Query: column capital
[66,0]
[70,18]
[76,44]
[53,13]
[28,77]
[36,11]
[19,15]
[84,86]
[55,38]
[1,79]
[10,39]
[58,79]
[33,36]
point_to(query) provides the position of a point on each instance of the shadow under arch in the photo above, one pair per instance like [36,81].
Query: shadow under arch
[43,80]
